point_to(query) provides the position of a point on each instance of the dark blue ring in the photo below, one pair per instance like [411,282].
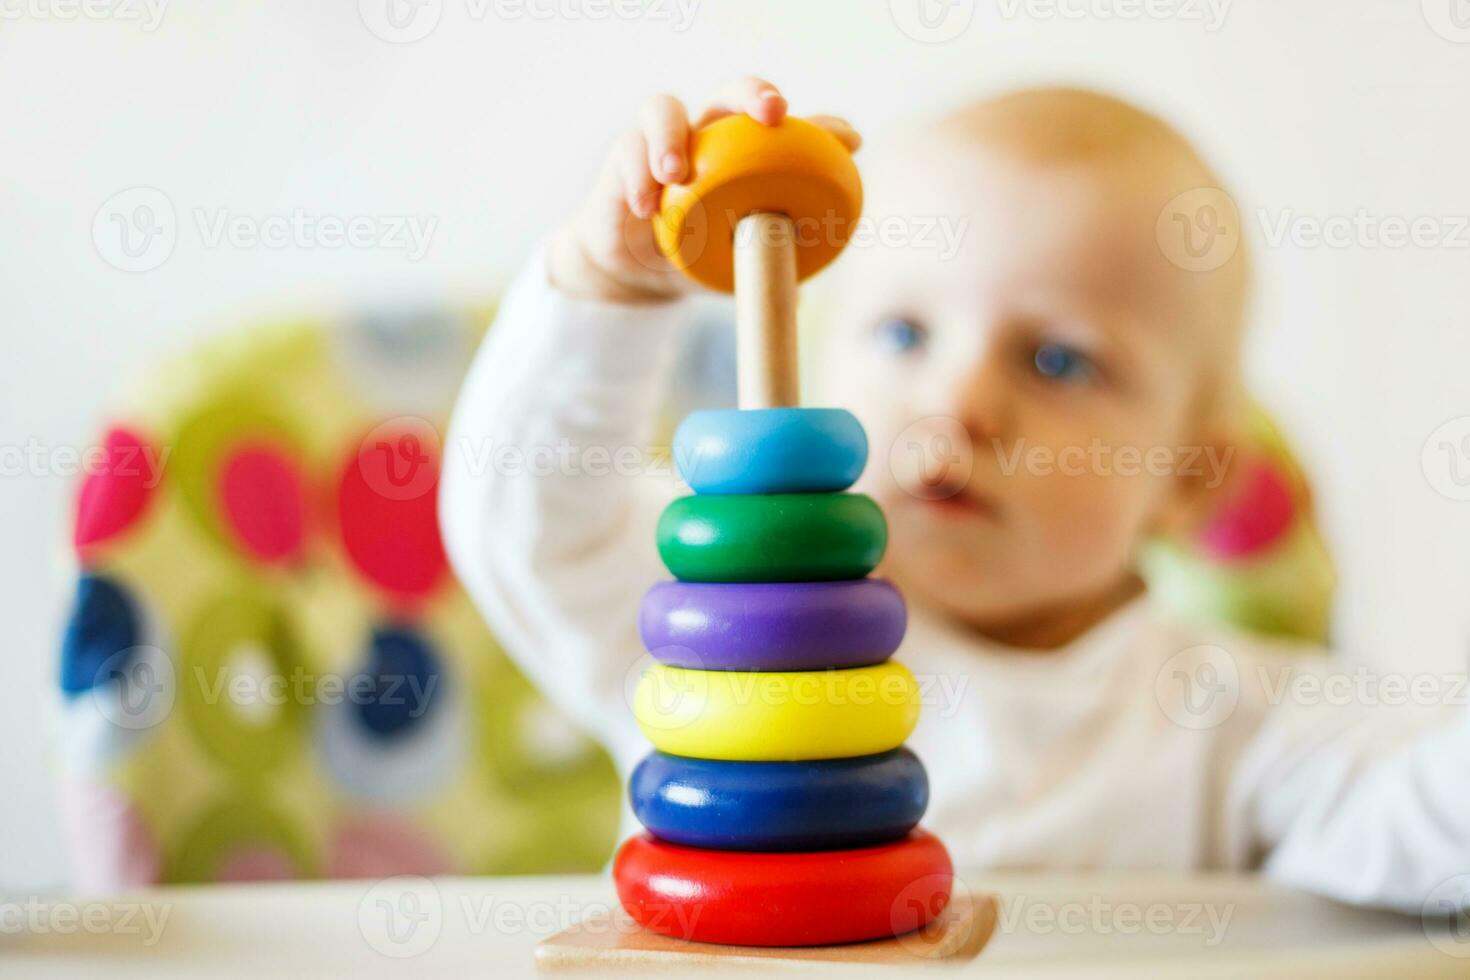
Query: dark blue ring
[820,805]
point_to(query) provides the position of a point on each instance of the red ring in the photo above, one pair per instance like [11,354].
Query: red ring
[815,898]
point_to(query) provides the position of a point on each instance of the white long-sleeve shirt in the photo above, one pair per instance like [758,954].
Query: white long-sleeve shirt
[1144,744]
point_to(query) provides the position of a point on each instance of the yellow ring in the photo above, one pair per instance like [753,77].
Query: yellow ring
[777,716]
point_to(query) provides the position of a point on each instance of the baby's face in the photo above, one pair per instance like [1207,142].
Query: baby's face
[1025,394]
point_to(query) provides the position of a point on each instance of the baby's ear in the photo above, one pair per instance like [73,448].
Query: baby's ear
[1207,475]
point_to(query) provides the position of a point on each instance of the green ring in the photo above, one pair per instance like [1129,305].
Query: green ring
[231,823]
[777,537]
[243,617]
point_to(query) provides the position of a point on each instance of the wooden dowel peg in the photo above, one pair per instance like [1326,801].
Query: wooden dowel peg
[765,311]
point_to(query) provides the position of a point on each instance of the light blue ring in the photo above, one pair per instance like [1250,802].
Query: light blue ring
[770,450]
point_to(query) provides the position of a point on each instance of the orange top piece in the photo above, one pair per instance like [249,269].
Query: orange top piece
[741,167]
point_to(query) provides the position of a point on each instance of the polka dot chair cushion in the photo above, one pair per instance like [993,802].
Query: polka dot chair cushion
[269,671]
[1259,563]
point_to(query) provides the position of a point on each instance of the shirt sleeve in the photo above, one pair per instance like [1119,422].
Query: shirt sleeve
[550,496]
[1356,783]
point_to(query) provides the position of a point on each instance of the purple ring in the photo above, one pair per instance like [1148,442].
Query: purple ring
[773,625]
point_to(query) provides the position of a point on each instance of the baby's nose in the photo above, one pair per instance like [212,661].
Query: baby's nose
[979,400]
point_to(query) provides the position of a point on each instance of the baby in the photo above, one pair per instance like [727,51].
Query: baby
[1068,723]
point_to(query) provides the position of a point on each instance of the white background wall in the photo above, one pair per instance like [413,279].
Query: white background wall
[492,123]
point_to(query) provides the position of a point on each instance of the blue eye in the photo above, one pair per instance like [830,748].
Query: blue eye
[900,336]
[1061,363]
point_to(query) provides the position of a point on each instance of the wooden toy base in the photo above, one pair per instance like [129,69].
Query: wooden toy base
[609,942]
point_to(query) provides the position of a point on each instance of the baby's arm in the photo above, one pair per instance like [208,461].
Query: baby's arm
[1366,802]
[552,543]
[555,554]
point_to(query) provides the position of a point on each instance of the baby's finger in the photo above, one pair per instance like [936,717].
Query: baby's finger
[755,97]
[640,189]
[710,115]
[608,202]
[666,131]
[840,128]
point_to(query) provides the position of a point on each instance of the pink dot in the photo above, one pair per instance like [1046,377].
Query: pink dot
[116,492]
[1254,518]
[255,862]
[380,847]
[388,511]
[264,500]
[110,846]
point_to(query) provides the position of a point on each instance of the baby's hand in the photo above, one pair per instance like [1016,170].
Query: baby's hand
[607,251]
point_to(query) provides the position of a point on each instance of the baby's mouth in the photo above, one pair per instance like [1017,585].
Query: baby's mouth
[965,505]
[954,498]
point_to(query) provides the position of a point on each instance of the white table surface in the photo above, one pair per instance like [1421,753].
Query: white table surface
[1050,925]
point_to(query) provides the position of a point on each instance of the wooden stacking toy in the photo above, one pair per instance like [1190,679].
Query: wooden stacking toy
[780,804]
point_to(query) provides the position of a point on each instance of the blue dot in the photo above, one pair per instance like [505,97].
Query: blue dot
[395,692]
[103,624]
